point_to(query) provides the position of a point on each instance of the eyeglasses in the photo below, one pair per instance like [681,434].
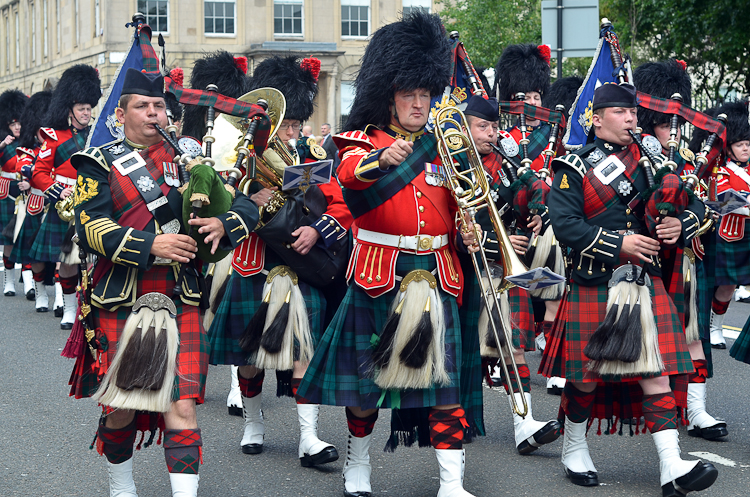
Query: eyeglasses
[284,127]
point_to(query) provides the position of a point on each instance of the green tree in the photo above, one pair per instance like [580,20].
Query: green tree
[486,27]
[710,36]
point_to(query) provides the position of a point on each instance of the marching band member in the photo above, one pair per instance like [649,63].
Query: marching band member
[405,358]
[128,213]
[594,213]
[482,116]
[29,143]
[663,79]
[265,297]
[12,103]
[732,265]
[67,120]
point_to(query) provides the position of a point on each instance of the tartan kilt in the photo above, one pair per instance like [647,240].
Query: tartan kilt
[741,348]
[586,308]
[732,260]
[7,211]
[241,300]
[47,243]
[471,361]
[192,355]
[341,371]
[26,236]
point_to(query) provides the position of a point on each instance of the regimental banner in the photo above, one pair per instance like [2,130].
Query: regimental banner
[306,175]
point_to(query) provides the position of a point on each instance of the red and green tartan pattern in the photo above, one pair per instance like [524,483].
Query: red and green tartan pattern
[49,238]
[182,450]
[251,387]
[192,355]
[533,112]
[576,405]
[597,197]
[669,106]
[125,195]
[341,371]
[360,427]
[447,428]
[586,308]
[523,372]
[660,412]
[116,444]
[241,300]
[672,276]
[65,150]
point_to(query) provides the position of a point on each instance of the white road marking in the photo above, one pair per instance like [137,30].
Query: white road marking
[714,458]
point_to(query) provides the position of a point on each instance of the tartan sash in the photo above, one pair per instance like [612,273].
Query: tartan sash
[533,112]
[538,140]
[362,201]
[599,197]
[75,143]
[669,106]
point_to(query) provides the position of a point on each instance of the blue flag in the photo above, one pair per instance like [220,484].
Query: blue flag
[106,127]
[602,71]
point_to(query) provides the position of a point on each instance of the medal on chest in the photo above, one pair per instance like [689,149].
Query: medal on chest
[170,174]
[434,174]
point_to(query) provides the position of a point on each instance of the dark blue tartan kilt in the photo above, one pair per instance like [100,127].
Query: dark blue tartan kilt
[732,260]
[47,243]
[26,236]
[471,361]
[341,372]
[241,300]
[7,211]
[741,348]
[705,290]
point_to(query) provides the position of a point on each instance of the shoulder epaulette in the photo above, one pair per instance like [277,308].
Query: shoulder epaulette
[93,153]
[354,136]
[51,133]
[25,151]
[572,161]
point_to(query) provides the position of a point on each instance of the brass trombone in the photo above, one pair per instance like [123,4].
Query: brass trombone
[471,189]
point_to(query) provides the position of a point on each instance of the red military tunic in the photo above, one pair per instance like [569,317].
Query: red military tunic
[733,176]
[53,172]
[419,209]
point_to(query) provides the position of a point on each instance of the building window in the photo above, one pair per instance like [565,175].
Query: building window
[287,17]
[347,98]
[219,18]
[97,19]
[77,28]
[157,14]
[45,21]
[410,6]
[32,13]
[355,18]
[7,43]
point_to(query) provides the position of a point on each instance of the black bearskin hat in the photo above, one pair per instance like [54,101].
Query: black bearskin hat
[523,68]
[562,92]
[412,53]
[661,79]
[12,103]
[738,128]
[225,71]
[32,117]
[298,84]
[79,84]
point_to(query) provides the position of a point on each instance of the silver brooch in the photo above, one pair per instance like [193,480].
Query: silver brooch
[596,156]
[116,149]
[624,187]
[145,183]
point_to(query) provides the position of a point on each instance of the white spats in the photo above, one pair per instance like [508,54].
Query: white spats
[70,306]
[28,283]
[42,300]
[252,437]
[9,282]
[184,485]
[575,454]
[312,450]
[357,467]
[451,463]
[121,482]
[671,465]
[717,331]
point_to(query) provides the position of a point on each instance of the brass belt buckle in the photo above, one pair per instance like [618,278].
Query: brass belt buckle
[425,243]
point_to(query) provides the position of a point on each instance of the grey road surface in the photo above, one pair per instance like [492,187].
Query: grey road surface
[45,437]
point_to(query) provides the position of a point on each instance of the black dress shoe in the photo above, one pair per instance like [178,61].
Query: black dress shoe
[554,390]
[702,476]
[720,346]
[668,490]
[357,494]
[66,326]
[31,294]
[59,311]
[329,454]
[711,432]
[587,479]
[235,411]
[252,449]
[10,293]
[546,434]
[42,309]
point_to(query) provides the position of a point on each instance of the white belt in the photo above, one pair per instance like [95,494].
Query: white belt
[37,191]
[9,175]
[65,180]
[403,242]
